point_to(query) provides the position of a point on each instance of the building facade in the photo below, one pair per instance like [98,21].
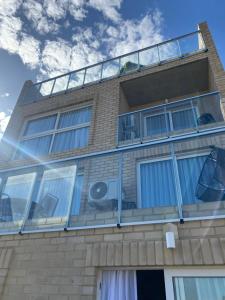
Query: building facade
[113,180]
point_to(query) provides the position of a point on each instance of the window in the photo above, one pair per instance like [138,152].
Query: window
[195,284]
[158,185]
[56,133]
[161,123]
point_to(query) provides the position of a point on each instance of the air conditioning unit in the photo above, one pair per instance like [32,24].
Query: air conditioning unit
[104,194]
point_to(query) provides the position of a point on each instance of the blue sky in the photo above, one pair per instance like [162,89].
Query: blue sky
[44,38]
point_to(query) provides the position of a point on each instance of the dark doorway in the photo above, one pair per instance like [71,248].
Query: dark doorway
[151,285]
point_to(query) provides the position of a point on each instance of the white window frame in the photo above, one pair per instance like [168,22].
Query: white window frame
[188,272]
[54,131]
[170,117]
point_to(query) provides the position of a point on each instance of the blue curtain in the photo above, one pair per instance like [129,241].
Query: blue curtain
[157,184]
[157,124]
[77,195]
[71,139]
[189,171]
[75,117]
[40,125]
[34,147]
[183,119]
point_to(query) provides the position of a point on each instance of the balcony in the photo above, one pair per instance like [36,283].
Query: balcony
[147,184]
[171,119]
[173,49]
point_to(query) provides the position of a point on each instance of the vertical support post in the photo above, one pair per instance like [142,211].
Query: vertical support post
[158,54]
[52,87]
[177,183]
[140,127]
[71,200]
[84,76]
[166,118]
[194,114]
[68,82]
[120,192]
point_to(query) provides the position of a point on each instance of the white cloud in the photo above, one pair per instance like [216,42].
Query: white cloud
[4,120]
[109,8]
[35,12]
[29,51]
[9,7]
[5,95]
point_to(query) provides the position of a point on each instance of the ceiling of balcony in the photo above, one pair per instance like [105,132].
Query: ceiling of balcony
[174,82]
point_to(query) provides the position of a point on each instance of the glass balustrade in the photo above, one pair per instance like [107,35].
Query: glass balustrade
[171,119]
[164,182]
[131,62]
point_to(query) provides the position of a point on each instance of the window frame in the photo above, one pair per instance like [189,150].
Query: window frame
[168,113]
[190,272]
[54,131]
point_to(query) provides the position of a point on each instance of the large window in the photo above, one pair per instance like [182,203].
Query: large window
[158,186]
[55,133]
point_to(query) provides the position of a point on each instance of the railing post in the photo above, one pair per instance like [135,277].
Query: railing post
[84,77]
[68,82]
[158,54]
[166,118]
[52,87]
[194,114]
[141,127]
[120,192]
[177,183]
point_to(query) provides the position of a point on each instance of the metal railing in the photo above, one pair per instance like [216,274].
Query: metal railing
[134,61]
[170,118]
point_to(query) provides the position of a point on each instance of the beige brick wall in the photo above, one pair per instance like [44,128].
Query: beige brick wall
[65,265]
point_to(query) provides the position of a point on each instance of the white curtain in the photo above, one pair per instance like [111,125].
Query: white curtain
[119,285]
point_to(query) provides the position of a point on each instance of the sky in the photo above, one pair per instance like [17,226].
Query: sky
[40,39]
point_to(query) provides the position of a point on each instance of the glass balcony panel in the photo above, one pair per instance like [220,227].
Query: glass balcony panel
[93,74]
[129,128]
[155,123]
[60,84]
[129,63]
[149,186]
[15,198]
[97,192]
[110,68]
[50,209]
[169,50]
[46,87]
[76,79]
[202,176]
[210,112]
[191,44]
[148,57]
[182,116]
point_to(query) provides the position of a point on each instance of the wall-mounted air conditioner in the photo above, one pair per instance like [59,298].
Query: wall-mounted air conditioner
[104,194]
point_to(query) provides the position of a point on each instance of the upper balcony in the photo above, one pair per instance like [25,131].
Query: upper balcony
[164,52]
[171,119]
